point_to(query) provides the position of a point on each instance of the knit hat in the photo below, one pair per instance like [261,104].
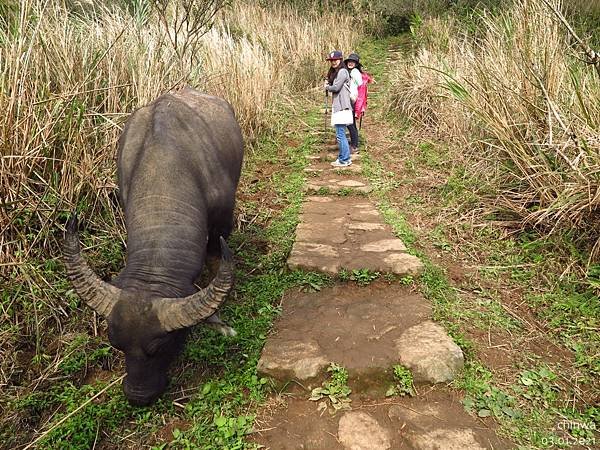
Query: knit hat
[336,54]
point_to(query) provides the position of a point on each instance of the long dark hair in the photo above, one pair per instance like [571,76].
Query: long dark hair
[334,71]
[357,65]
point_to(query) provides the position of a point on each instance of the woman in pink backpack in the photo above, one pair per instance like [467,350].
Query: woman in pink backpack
[354,67]
[360,106]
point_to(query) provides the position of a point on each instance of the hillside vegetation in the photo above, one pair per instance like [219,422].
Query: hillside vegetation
[495,161]
[509,88]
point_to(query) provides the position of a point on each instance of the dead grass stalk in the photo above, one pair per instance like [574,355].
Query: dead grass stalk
[517,95]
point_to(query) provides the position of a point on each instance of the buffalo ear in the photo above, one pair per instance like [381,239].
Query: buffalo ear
[178,313]
[99,295]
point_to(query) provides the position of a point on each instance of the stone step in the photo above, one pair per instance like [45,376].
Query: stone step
[333,186]
[338,233]
[435,421]
[367,330]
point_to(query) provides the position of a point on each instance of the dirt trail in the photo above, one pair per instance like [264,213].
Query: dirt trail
[365,329]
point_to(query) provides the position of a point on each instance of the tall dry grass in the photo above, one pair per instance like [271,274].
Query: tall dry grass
[521,104]
[68,81]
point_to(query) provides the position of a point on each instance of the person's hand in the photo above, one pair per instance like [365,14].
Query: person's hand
[325,85]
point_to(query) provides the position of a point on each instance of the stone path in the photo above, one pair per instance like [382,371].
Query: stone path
[426,422]
[362,329]
[345,231]
[365,329]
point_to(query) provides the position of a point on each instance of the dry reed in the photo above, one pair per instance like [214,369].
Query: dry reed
[527,108]
[69,82]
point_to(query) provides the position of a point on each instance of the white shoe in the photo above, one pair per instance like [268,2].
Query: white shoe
[338,163]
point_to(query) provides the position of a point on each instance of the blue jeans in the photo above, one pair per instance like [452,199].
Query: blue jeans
[340,136]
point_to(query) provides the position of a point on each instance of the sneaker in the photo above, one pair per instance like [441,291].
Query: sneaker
[353,149]
[338,163]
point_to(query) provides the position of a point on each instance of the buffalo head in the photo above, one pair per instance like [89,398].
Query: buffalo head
[150,330]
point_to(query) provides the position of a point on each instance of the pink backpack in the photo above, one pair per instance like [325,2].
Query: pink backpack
[360,106]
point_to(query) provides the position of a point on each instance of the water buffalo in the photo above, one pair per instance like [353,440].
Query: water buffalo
[178,164]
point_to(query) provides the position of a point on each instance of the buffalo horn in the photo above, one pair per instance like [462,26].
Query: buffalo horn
[177,313]
[99,295]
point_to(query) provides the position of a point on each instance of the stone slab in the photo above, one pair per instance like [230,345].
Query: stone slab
[356,327]
[293,360]
[357,430]
[348,233]
[436,421]
[334,187]
[430,354]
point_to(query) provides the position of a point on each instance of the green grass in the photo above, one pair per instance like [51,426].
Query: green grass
[375,52]
[430,155]
[82,353]
[572,315]
[483,398]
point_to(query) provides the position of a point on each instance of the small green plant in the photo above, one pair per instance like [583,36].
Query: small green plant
[539,386]
[415,24]
[390,278]
[335,389]
[179,441]
[344,192]
[593,276]
[344,274]
[439,239]
[482,397]
[313,282]
[404,382]
[406,280]
[429,155]
[492,402]
[363,276]
[231,430]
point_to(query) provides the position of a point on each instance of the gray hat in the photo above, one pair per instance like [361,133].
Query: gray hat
[352,57]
